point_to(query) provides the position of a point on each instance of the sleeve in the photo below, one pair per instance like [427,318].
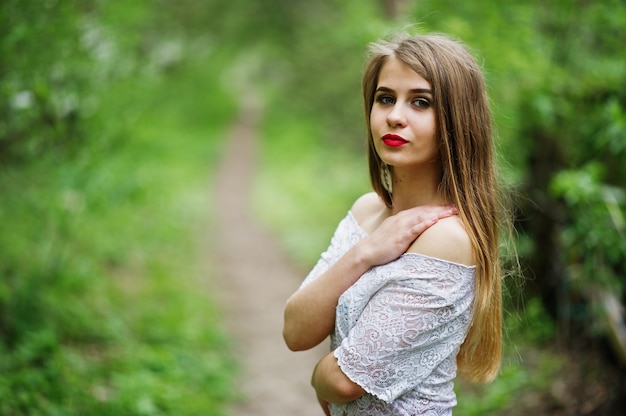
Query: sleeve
[337,248]
[402,335]
[323,264]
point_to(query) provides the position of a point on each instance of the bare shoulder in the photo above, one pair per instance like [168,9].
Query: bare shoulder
[446,240]
[366,206]
[369,210]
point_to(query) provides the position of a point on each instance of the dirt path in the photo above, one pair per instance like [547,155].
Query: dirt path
[255,279]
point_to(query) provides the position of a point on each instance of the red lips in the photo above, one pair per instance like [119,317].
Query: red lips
[393,140]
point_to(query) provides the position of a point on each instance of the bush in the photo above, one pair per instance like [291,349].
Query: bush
[103,175]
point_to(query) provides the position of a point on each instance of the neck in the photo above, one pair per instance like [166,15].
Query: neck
[414,188]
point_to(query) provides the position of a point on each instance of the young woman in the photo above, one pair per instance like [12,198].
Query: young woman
[410,287]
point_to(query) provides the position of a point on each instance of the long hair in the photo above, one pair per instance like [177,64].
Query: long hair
[464,128]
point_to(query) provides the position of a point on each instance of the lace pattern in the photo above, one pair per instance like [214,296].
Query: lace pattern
[398,330]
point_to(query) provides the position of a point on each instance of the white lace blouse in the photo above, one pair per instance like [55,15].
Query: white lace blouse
[398,330]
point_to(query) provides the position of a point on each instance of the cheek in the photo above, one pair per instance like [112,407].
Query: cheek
[428,127]
[376,120]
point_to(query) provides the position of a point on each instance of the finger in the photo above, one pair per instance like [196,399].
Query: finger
[422,226]
[448,212]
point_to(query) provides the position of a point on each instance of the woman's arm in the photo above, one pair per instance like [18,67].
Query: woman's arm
[417,311]
[310,312]
[393,355]
[325,405]
[331,384]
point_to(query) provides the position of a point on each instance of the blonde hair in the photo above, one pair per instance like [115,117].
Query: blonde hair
[464,126]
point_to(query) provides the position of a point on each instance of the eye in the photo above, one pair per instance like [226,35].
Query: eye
[385,99]
[421,103]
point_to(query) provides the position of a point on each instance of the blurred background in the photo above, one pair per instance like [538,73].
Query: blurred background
[112,120]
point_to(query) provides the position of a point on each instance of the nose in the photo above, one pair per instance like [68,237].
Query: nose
[396,116]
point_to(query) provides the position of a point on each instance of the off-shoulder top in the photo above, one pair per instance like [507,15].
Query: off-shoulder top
[398,329]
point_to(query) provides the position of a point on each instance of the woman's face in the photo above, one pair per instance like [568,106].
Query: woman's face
[402,119]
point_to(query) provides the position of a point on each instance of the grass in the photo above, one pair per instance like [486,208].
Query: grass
[106,305]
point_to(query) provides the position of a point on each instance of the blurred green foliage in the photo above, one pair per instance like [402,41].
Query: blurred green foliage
[110,114]
[44,78]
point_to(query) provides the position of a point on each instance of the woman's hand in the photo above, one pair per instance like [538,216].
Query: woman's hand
[331,384]
[310,312]
[395,234]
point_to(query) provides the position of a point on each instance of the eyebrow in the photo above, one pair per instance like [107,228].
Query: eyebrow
[413,91]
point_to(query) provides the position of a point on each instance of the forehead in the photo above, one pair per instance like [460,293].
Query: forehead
[395,74]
